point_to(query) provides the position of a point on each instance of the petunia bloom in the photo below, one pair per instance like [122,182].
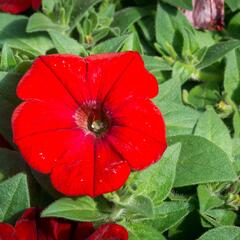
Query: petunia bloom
[207,14]
[88,121]
[18,6]
[31,227]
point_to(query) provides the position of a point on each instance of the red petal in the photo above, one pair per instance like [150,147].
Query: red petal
[36,4]
[74,175]
[111,171]
[71,72]
[26,225]
[138,149]
[110,232]
[43,151]
[93,169]
[41,83]
[143,116]
[83,231]
[34,117]
[7,232]
[117,76]
[54,228]
[14,6]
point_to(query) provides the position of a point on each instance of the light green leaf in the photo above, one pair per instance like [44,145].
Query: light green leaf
[168,17]
[79,9]
[140,230]
[222,233]
[233,4]
[12,32]
[14,197]
[110,45]
[80,209]
[211,127]
[232,73]
[168,214]
[133,43]
[124,18]
[8,60]
[217,51]
[201,161]
[139,206]
[207,199]
[159,177]
[156,64]
[40,22]
[65,44]
[179,119]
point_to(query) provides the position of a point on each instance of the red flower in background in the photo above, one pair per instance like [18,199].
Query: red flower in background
[89,121]
[207,14]
[18,6]
[31,227]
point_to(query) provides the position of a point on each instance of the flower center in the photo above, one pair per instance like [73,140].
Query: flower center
[97,123]
[92,117]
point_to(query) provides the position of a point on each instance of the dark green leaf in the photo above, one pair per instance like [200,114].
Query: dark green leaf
[14,197]
[217,51]
[187,4]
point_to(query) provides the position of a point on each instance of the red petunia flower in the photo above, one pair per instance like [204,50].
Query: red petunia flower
[207,14]
[89,121]
[31,227]
[18,6]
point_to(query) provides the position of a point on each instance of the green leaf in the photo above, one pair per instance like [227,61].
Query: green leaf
[187,4]
[168,214]
[140,230]
[179,119]
[159,177]
[232,73]
[138,206]
[233,4]
[14,197]
[11,163]
[207,198]
[80,209]
[217,51]
[65,44]
[8,60]
[211,127]
[203,95]
[222,233]
[39,22]
[156,64]
[201,161]
[133,43]
[219,217]
[236,124]
[168,17]
[12,32]
[110,45]
[126,17]
[79,9]
[170,91]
